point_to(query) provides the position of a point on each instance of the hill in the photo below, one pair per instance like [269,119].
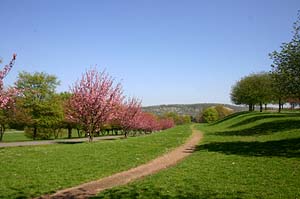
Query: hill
[245,155]
[187,109]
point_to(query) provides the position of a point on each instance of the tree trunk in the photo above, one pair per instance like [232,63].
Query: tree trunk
[250,107]
[34,132]
[90,137]
[260,107]
[266,107]
[279,108]
[78,132]
[2,129]
[69,132]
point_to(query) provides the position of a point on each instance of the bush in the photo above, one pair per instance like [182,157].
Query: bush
[223,111]
[210,115]
[42,133]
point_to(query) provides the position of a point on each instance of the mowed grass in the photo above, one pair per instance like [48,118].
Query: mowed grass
[32,171]
[19,136]
[248,155]
[14,136]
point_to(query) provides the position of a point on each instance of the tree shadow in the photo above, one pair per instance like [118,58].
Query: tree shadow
[151,191]
[264,128]
[229,117]
[289,148]
[70,142]
[254,119]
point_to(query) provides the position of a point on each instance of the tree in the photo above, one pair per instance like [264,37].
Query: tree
[94,102]
[127,113]
[66,123]
[286,67]
[166,123]
[6,97]
[39,100]
[253,89]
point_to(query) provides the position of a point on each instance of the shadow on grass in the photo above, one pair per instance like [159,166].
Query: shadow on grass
[70,142]
[264,128]
[289,148]
[262,116]
[150,191]
[229,117]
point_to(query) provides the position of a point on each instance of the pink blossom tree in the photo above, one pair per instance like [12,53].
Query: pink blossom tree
[6,96]
[146,122]
[128,115]
[166,123]
[94,102]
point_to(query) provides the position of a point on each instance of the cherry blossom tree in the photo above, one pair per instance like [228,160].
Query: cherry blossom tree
[147,122]
[166,123]
[94,102]
[6,96]
[128,113]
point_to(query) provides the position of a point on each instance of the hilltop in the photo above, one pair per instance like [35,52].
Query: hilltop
[187,109]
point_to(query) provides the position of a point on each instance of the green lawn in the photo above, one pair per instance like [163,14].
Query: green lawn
[249,155]
[19,136]
[32,171]
[15,136]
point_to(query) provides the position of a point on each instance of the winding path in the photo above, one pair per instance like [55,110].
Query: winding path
[167,160]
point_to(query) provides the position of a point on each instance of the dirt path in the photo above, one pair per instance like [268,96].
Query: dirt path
[62,141]
[93,188]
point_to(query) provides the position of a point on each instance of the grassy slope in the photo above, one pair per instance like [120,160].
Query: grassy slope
[32,171]
[254,155]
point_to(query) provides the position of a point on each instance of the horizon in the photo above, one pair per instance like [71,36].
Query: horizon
[164,53]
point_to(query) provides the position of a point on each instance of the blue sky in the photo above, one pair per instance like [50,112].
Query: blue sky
[164,52]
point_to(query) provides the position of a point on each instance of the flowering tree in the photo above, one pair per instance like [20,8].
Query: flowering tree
[6,96]
[147,122]
[94,102]
[128,114]
[166,123]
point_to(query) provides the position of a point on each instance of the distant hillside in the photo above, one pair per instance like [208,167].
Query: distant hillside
[187,109]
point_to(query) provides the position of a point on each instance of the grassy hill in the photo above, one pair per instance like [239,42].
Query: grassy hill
[187,109]
[246,155]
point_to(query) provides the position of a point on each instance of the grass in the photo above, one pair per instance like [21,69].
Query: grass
[249,155]
[19,136]
[15,136]
[33,171]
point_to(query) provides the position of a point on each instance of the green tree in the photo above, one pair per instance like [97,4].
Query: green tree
[253,89]
[39,100]
[286,67]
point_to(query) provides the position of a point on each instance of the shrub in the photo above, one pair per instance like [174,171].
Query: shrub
[42,133]
[223,111]
[210,115]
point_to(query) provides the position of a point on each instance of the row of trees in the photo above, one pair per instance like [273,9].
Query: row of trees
[95,103]
[278,86]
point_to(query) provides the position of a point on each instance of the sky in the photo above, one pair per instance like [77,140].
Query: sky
[162,51]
